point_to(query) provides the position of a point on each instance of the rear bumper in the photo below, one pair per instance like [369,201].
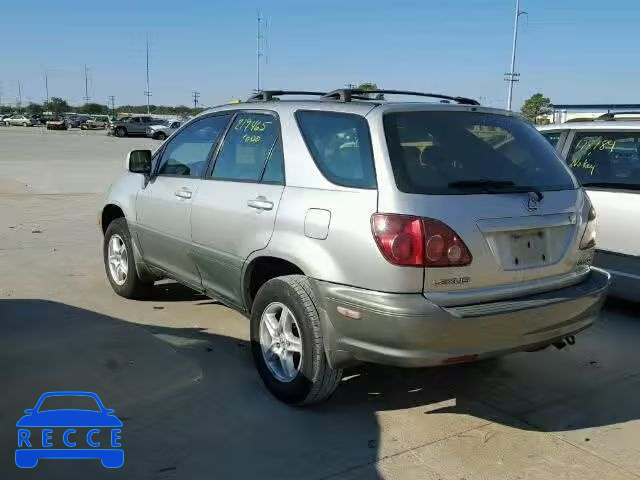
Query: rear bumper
[409,330]
[625,273]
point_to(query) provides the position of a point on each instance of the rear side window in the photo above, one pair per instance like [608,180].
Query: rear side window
[454,153]
[552,137]
[340,145]
[606,159]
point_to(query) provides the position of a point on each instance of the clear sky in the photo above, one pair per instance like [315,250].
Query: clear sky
[574,51]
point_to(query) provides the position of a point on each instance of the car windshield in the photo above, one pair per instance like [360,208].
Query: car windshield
[453,153]
[66,402]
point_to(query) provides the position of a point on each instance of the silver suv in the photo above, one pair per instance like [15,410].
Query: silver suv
[355,229]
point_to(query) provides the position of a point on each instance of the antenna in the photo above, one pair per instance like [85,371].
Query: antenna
[86,97]
[196,96]
[147,92]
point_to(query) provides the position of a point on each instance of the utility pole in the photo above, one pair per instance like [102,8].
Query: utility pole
[19,102]
[147,92]
[46,86]
[86,97]
[259,52]
[196,97]
[512,76]
[112,102]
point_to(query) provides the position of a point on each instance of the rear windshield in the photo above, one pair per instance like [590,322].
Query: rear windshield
[454,153]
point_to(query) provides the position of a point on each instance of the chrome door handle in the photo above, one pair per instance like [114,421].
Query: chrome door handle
[184,193]
[260,203]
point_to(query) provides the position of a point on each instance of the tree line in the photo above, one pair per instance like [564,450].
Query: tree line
[534,108]
[57,106]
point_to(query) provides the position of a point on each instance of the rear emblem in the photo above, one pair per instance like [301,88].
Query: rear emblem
[533,203]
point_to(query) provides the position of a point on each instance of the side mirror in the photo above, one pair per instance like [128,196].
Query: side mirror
[139,161]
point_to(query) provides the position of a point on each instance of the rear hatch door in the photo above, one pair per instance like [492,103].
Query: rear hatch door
[499,185]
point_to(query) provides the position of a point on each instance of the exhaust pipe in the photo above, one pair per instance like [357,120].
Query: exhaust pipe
[568,340]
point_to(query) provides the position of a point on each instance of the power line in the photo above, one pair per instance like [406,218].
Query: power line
[196,97]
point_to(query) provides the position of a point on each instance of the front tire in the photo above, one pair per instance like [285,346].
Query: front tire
[121,132]
[119,262]
[287,343]
[160,136]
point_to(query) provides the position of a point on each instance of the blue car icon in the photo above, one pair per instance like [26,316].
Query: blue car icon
[35,432]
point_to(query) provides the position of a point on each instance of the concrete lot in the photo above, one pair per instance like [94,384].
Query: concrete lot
[178,372]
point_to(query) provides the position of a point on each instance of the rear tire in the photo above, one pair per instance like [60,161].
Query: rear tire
[119,262]
[314,380]
[121,132]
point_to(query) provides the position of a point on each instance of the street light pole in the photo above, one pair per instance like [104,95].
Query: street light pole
[512,76]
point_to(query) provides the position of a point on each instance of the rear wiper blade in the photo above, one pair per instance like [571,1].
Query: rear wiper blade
[482,183]
[488,185]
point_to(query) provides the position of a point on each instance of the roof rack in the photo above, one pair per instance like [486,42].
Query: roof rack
[347,94]
[612,115]
[266,95]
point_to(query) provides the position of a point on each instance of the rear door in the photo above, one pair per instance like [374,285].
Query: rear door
[235,208]
[607,164]
[498,185]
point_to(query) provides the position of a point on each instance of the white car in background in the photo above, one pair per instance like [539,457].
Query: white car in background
[163,130]
[19,119]
[604,155]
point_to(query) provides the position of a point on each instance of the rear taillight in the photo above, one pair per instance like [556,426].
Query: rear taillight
[399,238]
[414,241]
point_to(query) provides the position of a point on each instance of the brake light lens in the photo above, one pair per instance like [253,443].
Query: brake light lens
[414,241]
[444,247]
[589,236]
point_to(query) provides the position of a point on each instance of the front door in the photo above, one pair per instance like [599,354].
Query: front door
[164,205]
[234,211]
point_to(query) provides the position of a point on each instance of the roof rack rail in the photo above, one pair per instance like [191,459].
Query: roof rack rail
[347,94]
[612,115]
[266,95]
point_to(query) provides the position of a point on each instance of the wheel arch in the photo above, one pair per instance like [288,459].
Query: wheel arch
[260,270]
[109,213]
